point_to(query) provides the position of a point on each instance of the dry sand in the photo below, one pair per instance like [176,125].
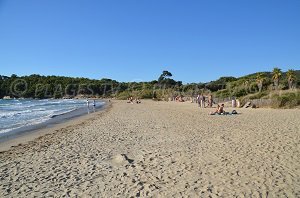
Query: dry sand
[161,149]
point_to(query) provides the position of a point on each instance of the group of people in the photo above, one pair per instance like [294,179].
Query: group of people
[93,104]
[179,99]
[131,100]
[88,103]
[201,100]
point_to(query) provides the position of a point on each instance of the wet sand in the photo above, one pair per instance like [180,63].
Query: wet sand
[160,149]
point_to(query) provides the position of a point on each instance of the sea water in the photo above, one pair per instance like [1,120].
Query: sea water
[18,113]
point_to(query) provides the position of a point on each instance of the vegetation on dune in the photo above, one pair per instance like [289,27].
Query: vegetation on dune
[253,86]
[260,80]
[291,77]
[276,76]
[286,100]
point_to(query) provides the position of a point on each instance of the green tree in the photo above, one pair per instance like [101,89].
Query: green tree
[291,77]
[260,78]
[13,76]
[276,76]
[164,80]
[164,75]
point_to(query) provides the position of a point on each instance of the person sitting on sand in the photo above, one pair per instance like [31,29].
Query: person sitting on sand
[137,101]
[219,110]
[131,100]
[216,111]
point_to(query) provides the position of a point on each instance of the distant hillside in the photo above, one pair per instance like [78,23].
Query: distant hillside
[242,86]
[269,75]
[223,81]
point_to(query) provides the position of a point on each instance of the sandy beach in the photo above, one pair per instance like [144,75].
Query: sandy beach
[160,149]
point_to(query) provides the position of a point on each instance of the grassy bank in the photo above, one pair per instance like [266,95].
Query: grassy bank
[278,99]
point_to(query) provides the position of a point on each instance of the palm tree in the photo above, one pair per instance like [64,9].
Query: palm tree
[246,85]
[276,76]
[291,77]
[260,78]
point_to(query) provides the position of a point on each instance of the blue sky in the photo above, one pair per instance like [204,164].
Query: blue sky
[131,40]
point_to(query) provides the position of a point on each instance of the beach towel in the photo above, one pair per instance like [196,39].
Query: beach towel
[234,112]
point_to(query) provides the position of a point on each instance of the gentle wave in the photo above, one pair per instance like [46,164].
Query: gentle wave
[58,114]
[24,124]
[12,114]
[15,114]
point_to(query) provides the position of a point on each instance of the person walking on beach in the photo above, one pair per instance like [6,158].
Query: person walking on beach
[94,106]
[88,103]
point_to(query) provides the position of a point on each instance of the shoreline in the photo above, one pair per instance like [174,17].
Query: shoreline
[30,133]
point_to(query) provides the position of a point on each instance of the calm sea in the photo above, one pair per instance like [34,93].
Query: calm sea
[15,114]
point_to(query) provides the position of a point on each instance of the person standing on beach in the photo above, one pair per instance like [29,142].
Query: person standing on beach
[88,103]
[198,100]
[202,101]
[210,100]
[233,102]
[94,106]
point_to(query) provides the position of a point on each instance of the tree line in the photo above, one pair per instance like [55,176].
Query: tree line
[37,86]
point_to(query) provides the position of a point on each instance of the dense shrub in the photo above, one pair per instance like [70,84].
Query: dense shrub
[222,93]
[258,95]
[146,94]
[123,95]
[247,98]
[239,93]
[287,100]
